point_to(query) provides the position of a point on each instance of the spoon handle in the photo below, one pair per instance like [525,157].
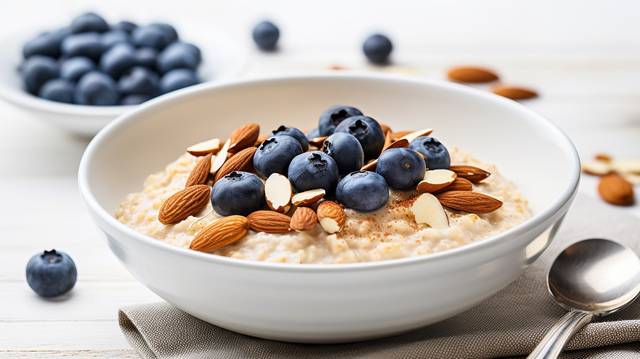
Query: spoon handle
[551,345]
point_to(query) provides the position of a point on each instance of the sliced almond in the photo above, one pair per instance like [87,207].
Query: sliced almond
[596,168]
[616,190]
[308,198]
[221,233]
[244,136]
[241,161]
[269,222]
[460,184]
[401,143]
[205,147]
[415,134]
[604,157]
[427,210]
[200,172]
[317,141]
[471,74]
[385,128]
[277,191]
[514,92]
[399,134]
[472,202]
[473,174]
[626,166]
[220,158]
[303,219]
[435,180]
[331,216]
[184,203]
[633,178]
[370,166]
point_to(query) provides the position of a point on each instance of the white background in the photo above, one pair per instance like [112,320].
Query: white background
[582,56]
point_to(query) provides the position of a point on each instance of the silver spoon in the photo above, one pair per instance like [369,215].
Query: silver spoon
[591,278]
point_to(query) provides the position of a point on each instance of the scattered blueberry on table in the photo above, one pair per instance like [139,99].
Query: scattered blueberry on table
[266,34]
[377,48]
[51,273]
[92,62]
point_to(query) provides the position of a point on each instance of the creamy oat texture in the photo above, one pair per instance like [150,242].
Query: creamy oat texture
[387,233]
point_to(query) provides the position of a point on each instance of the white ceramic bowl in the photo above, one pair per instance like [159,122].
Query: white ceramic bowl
[222,59]
[331,303]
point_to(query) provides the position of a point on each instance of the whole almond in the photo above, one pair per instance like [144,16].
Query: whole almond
[616,190]
[471,74]
[220,233]
[331,216]
[184,203]
[200,172]
[473,174]
[269,222]
[514,92]
[460,184]
[244,136]
[303,219]
[241,161]
[466,201]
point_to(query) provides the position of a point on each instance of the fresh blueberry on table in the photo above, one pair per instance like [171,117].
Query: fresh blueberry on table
[311,170]
[293,132]
[363,191]
[179,55]
[313,133]
[402,168]
[237,193]
[146,56]
[59,90]
[51,273]
[266,34]
[367,131]
[139,81]
[37,70]
[86,44]
[275,154]
[89,22]
[177,79]
[125,25]
[113,37]
[134,99]
[74,68]
[377,49]
[98,89]
[118,60]
[345,149]
[332,117]
[150,36]
[435,153]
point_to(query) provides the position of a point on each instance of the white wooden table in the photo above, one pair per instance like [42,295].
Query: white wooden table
[583,57]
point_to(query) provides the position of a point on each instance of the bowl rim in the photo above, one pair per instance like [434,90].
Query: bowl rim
[122,121]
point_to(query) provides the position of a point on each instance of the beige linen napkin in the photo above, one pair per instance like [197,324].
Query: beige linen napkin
[508,324]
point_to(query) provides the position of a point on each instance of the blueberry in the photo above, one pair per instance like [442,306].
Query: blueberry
[126,26]
[402,168]
[179,55]
[333,116]
[51,273]
[311,170]
[363,191]
[118,60]
[89,22]
[293,132]
[58,90]
[111,38]
[134,99]
[87,44]
[74,68]
[367,131]
[177,79]
[237,193]
[313,133]
[150,36]
[265,35]
[377,49]
[140,81]
[47,44]
[275,154]
[146,56]
[170,33]
[435,154]
[37,70]
[345,150]
[96,88]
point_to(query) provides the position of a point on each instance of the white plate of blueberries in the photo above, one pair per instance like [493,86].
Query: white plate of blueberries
[81,76]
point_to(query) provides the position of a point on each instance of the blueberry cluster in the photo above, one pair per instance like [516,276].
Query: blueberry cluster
[92,62]
[352,140]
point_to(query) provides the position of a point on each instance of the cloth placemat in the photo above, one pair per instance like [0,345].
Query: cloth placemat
[509,324]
